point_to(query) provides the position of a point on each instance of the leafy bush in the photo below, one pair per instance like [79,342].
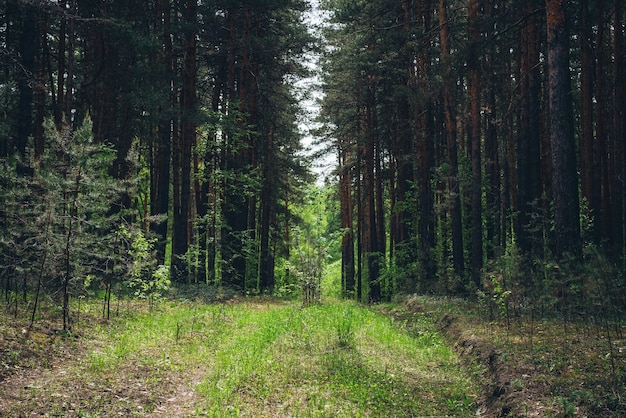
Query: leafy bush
[145,279]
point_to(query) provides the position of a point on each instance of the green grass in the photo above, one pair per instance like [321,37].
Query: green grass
[260,357]
[337,359]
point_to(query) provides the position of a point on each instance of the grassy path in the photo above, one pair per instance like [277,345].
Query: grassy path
[250,358]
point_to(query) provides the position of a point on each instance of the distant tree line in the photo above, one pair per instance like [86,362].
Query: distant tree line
[471,134]
[194,106]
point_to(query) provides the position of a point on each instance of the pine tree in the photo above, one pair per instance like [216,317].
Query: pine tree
[564,177]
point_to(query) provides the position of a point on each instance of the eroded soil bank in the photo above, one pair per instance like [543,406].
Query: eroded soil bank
[541,368]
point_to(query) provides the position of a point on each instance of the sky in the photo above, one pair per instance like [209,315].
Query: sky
[322,167]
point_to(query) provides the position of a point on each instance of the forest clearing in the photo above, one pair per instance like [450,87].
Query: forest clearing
[269,357]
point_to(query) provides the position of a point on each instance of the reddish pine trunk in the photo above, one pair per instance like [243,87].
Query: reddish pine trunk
[186,140]
[451,141]
[564,175]
[370,231]
[475,141]
[529,158]
[347,223]
[401,248]
[424,159]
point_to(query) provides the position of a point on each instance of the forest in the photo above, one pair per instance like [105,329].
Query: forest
[165,149]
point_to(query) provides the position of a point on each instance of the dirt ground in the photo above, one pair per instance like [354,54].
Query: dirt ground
[38,366]
[39,377]
[501,397]
[540,369]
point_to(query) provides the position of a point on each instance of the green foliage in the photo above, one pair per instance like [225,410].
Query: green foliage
[497,294]
[145,279]
[287,283]
[331,280]
[315,243]
[59,225]
[402,272]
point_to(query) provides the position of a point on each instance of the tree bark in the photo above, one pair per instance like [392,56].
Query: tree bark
[458,259]
[42,24]
[492,159]
[402,248]
[266,267]
[347,222]
[529,151]
[475,140]
[586,113]
[60,90]
[182,206]
[369,232]
[162,148]
[564,175]
[602,195]
[27,46]
[424,147]
[619,136]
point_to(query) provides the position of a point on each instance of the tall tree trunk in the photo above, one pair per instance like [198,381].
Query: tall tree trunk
[68,99]
[25,83]
[234,208]
[182,207]
[602,197]
[619,137]
[162,147]
[564,175]
[267,203]
[369,232]
[426,228]
[360,212]
[492,172]
[347,222]
[492,160]
[60,92]
[586,114]
[240,246]
[449,101]
[475,135]
[402,250]
[509,180]
[424,147]
[381,234]
[529,158]
[42,26]
[206,201]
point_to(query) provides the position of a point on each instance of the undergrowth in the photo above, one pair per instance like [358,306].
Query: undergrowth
[573,367]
